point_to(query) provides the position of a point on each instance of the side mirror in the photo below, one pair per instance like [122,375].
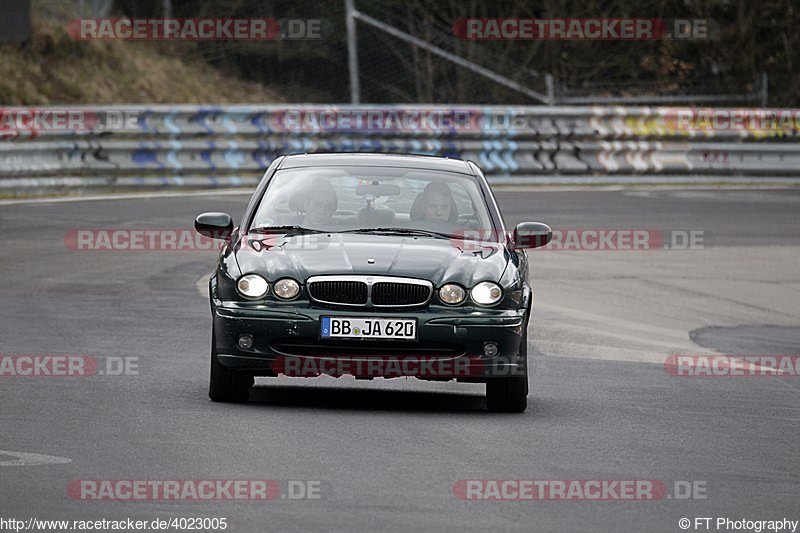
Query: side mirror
[214,225]
[532,235]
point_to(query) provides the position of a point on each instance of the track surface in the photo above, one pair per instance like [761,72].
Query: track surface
[389,452]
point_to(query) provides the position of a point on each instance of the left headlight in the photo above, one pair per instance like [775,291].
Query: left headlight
[452,294]
[286,288]
[486,293]
[252,286]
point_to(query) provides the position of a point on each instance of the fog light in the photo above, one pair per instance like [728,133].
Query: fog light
[490,349]
[245,342]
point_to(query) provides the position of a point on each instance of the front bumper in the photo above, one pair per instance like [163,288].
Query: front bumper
[453,337]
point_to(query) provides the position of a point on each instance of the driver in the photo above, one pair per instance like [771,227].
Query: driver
[438,201]
[320,205]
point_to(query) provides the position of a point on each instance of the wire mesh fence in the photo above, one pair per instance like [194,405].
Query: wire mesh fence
[733,67]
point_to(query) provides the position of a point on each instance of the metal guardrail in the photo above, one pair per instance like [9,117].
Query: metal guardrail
[202,146]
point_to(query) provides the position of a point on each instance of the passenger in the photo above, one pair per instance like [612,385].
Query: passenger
[320,205]
[438,202]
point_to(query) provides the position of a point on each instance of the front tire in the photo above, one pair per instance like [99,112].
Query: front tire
[227,385]
[510,395]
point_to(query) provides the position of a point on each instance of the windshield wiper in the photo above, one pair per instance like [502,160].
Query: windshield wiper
[401,231]
[285,229]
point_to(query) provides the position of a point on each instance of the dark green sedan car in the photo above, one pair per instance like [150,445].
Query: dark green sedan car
[372,265]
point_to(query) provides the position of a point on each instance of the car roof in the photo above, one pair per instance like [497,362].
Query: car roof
[377,160]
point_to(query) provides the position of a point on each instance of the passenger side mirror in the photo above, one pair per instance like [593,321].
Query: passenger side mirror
[532,235]
[214,225]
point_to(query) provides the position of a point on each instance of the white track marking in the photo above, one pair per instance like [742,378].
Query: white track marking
[598,319]
[30,459]
[202,285]
[131,196]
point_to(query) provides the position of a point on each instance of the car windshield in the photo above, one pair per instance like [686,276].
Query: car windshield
[374,199]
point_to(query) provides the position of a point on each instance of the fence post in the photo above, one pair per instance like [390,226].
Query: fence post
[352,52]
[551,89]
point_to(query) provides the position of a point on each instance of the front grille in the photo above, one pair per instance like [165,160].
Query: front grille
[392,294]
[379,291]
[339,292]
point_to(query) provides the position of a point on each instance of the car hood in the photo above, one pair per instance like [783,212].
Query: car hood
[438,260]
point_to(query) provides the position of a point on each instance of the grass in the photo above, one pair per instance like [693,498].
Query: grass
[52,68]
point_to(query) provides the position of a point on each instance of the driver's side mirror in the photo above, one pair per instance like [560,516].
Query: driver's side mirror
[532,235]
[214,225]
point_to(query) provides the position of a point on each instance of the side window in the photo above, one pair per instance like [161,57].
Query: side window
[275,204]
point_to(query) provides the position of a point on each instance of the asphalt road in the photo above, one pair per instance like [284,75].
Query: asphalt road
[388,453]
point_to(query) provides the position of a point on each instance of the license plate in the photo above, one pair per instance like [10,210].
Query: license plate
[368,328]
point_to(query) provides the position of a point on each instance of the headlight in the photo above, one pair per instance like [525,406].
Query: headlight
[252,286]
[486,293]
[286,288]
[452,294]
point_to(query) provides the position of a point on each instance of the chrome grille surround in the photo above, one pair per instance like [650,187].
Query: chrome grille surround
[391,291]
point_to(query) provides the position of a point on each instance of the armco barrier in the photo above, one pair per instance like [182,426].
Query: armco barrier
[197,146]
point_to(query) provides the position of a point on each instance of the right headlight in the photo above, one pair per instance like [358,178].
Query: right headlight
[452,294]
[486,293]
[286,288]
[252,286]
